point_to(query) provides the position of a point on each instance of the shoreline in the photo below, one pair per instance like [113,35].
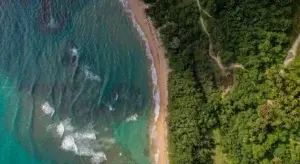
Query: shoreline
[158,126]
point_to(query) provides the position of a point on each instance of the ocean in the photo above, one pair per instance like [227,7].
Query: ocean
[75,84]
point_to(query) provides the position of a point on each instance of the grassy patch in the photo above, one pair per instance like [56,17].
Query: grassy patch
[219,157]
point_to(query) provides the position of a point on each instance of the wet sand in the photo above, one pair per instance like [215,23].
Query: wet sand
[159,136]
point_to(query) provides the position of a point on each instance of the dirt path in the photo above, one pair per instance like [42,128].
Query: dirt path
[217,59]
[292,52]
[225,70]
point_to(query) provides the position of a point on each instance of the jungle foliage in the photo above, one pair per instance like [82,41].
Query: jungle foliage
[259,119]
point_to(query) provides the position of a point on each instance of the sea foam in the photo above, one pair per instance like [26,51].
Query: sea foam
[110,108]
[156,156]
[48,109]
[90,75]
[68,144]
[80,142]
[67,125]
[74,51]
[156,96]
[98,158]
[133,117]
[60,129]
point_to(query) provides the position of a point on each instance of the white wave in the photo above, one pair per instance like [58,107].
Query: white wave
[156,156]
[156,96]
[82,143]
[67,125]
[132,118]
[98,158]
[60,129]
[90,75]
[48,109]
[110,108]
[74,51]
[85,135]
[116,97]
[68,144]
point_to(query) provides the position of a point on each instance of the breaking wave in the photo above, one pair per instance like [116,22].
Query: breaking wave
[48,109]
[156,96]
[81,142]
[132,118]
[90,75]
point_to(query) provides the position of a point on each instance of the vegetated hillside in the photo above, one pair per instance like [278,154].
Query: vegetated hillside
[256,109]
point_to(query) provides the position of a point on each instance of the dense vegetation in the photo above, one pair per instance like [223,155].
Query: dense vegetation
[259,118]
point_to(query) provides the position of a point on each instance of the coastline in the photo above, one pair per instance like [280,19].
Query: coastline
[158,129]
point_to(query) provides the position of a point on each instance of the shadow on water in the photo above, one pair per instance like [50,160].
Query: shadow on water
[53,15]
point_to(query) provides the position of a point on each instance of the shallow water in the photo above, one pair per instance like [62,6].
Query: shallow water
[75,84]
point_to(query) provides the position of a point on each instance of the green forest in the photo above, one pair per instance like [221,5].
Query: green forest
[234,93]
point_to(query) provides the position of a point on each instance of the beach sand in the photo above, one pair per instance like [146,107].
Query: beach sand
[137,8]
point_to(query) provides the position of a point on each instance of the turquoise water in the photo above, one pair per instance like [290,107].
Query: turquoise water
[75,84]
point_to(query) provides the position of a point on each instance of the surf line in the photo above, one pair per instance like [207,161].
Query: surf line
[155,92]
[155,52]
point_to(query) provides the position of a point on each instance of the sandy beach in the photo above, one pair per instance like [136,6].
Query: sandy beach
[159,136]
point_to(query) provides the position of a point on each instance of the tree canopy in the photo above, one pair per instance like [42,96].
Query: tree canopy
[259,117]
